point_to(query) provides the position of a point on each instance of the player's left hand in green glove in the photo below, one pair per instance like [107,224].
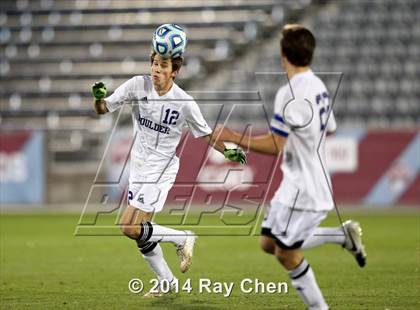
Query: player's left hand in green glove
[99,90]
[236,155]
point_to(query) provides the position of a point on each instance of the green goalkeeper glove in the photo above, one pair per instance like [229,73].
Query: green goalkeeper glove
[236,155]
[99,90]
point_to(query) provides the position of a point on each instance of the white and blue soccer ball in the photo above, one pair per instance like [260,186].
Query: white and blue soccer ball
[169,41]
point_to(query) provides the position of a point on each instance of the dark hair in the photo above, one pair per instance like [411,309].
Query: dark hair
[297,45]
[176,62]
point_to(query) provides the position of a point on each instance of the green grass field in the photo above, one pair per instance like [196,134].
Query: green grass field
[44,266]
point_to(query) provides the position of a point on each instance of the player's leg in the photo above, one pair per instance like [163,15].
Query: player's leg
[267,244]
[354,242]
[324,235]
[150,197]
[131,219]
[289,229]
[151,233]
[151,251]
[267,240]
[348,236]
[302,277]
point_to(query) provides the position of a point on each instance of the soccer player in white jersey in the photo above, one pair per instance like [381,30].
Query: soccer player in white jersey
[160,112]
[302,118]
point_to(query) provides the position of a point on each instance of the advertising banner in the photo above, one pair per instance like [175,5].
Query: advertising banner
[367,168]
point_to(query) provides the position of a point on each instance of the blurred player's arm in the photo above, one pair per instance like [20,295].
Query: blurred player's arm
[199,128]
[236,155]
[217,145]
[331,124]
[269,143]
[99,92]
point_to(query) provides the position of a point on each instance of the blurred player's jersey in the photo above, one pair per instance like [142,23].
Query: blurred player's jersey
[158,122]
[302,113]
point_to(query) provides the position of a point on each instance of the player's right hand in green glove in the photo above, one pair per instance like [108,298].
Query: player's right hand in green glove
[99,90]
[236,155]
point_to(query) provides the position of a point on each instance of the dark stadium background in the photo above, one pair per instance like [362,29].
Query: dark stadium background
[60,163]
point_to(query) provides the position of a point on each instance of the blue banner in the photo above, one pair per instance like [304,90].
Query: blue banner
[22,169]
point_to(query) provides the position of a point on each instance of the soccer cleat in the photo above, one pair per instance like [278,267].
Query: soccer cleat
[185,251]
[154,294]
[354,243]
[159,293]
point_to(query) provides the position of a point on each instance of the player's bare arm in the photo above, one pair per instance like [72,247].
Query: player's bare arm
[268,143]
[100,106]
[99,92]
[217,145]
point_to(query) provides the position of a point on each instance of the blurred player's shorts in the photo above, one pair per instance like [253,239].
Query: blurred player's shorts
[290,227]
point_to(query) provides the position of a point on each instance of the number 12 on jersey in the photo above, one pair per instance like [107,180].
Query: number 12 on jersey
[170,117]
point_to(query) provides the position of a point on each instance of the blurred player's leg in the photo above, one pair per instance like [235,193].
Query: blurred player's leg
[302,278]
[354,242]
[288,228]
[324,235]
[349,237]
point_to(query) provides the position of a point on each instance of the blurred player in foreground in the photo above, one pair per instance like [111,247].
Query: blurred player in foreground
[160,112]
[302,118]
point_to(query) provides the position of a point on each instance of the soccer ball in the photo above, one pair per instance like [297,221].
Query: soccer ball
[169,40]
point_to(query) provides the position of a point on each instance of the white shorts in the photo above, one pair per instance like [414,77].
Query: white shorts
[290,227]
[149,184]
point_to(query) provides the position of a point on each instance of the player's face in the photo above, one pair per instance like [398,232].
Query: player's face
[162,74]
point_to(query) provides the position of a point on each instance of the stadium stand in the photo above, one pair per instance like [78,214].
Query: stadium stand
[379,66]
[53,50]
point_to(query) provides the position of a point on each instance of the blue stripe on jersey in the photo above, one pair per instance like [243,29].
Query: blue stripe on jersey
[279,132]
[279,118]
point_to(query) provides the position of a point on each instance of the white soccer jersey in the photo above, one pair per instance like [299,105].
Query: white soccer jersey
[158,121]
[301,110]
